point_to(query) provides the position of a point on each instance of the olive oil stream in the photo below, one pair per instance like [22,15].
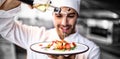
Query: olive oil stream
[41,7]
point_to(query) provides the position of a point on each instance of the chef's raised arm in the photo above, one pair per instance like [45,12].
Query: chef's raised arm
[13,30]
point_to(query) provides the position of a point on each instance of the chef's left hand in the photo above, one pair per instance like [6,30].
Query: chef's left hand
[62,56]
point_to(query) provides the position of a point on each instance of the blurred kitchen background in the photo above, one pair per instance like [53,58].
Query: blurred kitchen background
[99,21]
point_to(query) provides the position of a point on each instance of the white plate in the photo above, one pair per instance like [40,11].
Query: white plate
[80,48]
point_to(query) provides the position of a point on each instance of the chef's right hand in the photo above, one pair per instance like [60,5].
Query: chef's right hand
[9,4]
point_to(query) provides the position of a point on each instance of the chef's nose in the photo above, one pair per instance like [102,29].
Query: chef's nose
[64,21]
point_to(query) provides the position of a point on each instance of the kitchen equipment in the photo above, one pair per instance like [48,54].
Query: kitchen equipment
[103,26]
[104,31]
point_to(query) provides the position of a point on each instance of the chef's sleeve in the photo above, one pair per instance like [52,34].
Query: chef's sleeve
[95,53]
[14,31]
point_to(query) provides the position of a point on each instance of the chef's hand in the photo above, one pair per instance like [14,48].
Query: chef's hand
[62,56]
[9,4]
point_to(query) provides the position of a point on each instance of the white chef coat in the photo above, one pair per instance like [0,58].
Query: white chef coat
[24,36]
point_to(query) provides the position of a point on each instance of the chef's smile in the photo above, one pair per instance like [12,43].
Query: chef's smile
[64,29]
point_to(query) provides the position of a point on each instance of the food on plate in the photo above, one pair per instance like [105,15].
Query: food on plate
[61,45]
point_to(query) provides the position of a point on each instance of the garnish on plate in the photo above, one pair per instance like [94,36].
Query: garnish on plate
[60,45]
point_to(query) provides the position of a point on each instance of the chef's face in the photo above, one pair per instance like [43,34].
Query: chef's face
[65,21]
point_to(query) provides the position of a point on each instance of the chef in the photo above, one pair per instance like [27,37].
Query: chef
[64,20]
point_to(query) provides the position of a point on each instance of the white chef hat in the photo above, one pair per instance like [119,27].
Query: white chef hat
[75,4]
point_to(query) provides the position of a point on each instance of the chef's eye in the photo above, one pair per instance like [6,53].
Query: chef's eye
[71,15]
[58,15]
